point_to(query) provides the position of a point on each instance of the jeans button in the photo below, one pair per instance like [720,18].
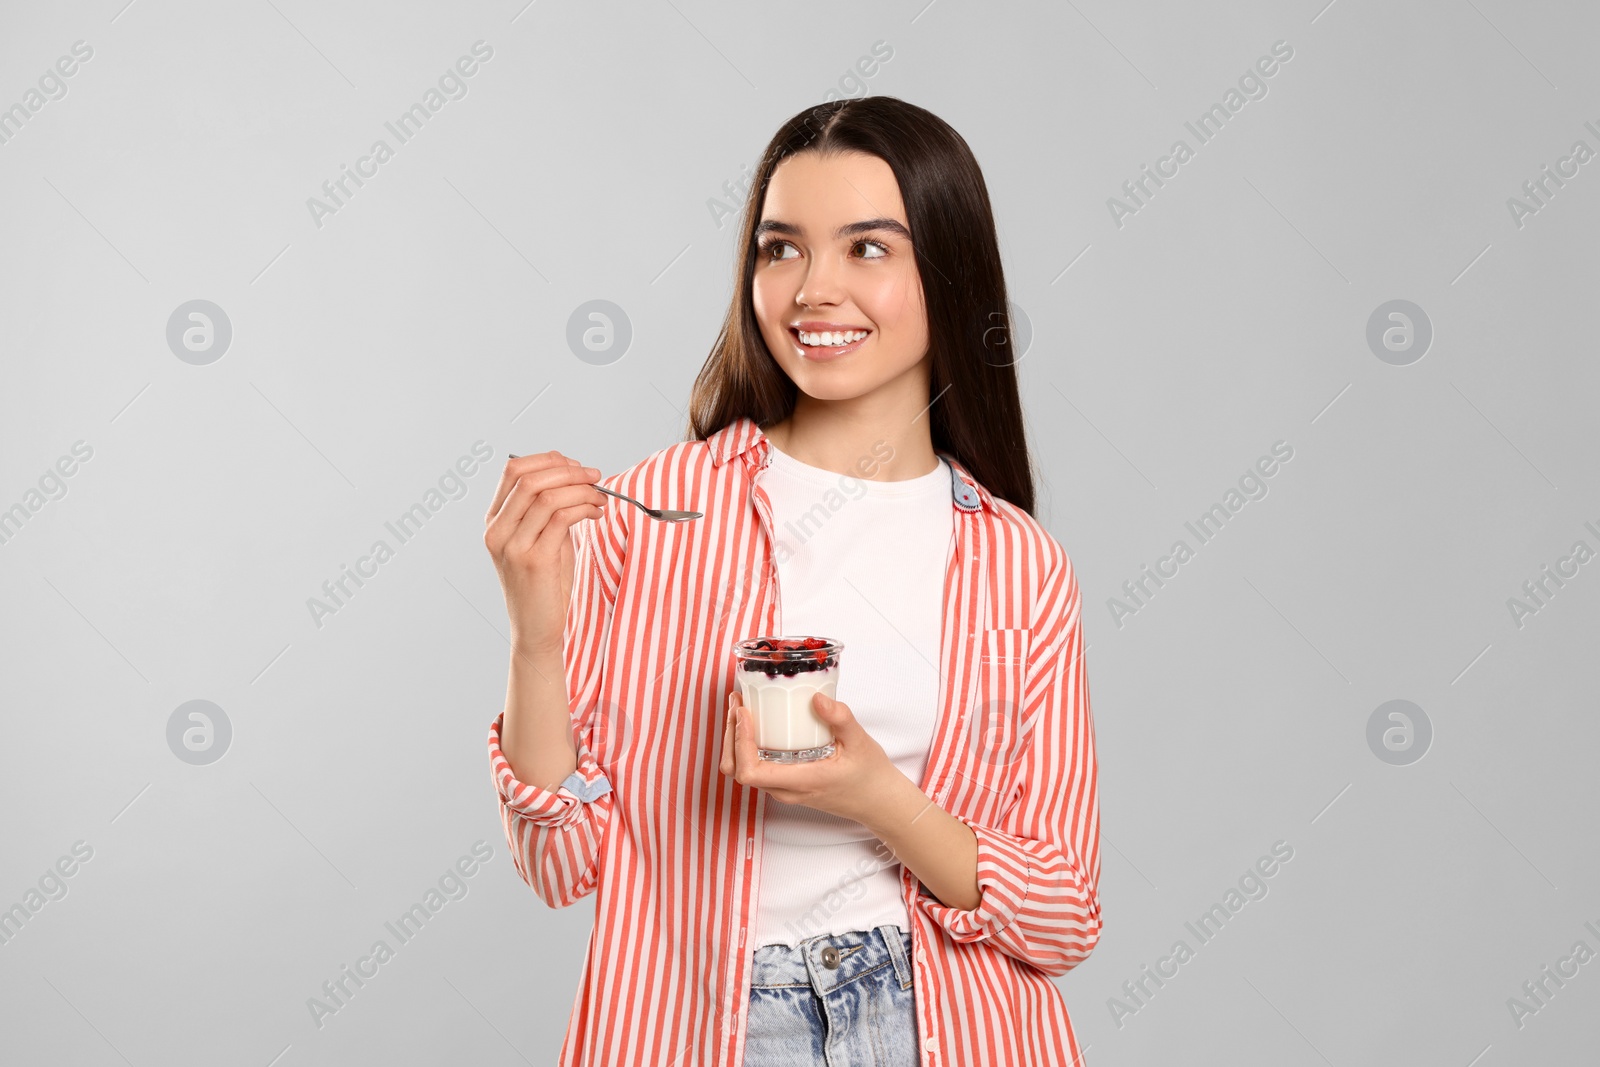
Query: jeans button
[830,957]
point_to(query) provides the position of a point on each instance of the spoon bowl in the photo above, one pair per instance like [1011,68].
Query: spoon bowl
[664,514]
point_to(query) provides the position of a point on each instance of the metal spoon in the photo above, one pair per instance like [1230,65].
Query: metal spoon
[663,514]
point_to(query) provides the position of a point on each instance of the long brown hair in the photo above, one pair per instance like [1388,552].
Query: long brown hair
[976,413]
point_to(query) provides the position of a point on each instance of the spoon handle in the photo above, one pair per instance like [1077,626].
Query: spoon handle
[654,513]
[619,496]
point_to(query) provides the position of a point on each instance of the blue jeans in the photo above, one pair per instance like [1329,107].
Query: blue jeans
[835,1000]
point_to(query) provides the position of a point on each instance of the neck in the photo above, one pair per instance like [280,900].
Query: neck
[888,445]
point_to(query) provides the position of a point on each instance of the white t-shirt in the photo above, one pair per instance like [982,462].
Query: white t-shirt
[862,562]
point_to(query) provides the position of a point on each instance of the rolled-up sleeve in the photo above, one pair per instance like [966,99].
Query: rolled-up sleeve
[1039,869]
[557,837]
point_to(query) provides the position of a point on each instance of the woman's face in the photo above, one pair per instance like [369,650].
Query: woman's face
[834,256]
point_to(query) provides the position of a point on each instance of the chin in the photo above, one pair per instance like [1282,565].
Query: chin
[833,395]
[827,390]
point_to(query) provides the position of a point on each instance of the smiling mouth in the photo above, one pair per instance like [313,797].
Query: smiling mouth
[827,351]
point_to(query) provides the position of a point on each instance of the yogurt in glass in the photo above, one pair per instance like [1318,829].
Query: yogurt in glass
[777,678]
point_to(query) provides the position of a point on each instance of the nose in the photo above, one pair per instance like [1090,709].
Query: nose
[821,285]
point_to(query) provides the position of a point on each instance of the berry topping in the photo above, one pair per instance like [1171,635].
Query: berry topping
[788,656]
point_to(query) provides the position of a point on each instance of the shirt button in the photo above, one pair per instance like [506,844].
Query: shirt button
[932,1044]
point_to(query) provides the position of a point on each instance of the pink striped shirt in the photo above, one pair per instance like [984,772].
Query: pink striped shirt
[672,846]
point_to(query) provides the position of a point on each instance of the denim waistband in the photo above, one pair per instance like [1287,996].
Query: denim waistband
[858,952]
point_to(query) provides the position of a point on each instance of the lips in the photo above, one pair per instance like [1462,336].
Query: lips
[824,353]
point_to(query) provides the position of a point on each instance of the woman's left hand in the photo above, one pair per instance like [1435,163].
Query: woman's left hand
[847,783]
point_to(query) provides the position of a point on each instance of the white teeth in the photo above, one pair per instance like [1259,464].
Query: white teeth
[831,339]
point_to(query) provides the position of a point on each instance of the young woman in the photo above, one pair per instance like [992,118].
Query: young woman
[858,450]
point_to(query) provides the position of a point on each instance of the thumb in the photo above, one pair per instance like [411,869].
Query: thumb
[832,710]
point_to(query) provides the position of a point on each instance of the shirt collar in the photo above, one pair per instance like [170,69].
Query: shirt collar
[743,436]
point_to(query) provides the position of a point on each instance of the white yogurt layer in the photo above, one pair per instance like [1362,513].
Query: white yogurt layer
[780,706]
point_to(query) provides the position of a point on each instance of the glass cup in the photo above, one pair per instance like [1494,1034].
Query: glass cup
[777,678]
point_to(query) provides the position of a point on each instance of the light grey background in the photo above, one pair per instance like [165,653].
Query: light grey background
[1168,354]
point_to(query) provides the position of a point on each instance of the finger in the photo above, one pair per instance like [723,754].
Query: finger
[538,495]
[840,722]
[532,521]
[743,758]
[555,468]
[525,471]
[725,763]
[516,467]
[748,752]
[550,517]
[818,702]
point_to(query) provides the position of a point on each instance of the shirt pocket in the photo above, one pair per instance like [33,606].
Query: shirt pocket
[991,764]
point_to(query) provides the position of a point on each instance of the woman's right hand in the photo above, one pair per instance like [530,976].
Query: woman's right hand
[527,532]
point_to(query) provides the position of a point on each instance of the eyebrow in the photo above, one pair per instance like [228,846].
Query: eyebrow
[847,230]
